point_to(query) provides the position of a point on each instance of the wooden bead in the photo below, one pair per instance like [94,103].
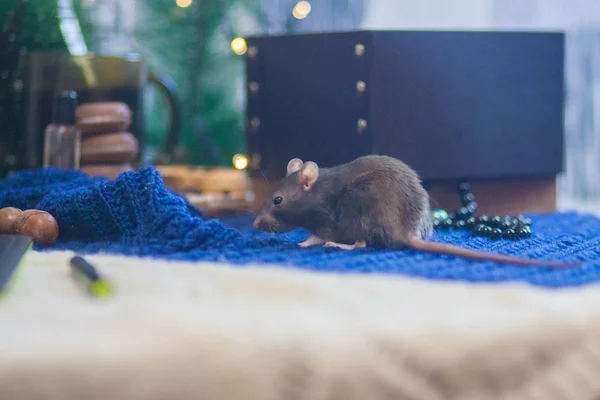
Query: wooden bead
[39,225]
[8,217]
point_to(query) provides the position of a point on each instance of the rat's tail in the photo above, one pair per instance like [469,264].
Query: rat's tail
[442,248]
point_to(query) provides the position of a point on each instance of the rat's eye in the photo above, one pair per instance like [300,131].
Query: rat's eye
[277,200]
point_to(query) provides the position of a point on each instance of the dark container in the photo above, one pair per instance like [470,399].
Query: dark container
[451,104]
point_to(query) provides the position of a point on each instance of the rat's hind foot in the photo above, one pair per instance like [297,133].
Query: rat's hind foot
[311,241]
[357,245]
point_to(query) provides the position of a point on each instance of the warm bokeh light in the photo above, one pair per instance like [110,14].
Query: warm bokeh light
[238,45]
[301,9]
[240,161]
[183,3]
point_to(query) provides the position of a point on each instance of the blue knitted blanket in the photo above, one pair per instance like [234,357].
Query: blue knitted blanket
[137,215]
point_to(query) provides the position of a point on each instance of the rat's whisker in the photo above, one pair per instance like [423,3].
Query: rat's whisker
[262,173]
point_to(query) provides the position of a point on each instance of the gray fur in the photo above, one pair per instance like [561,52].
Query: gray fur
[378,199]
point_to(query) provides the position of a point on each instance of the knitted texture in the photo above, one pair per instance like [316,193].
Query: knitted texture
[137,215]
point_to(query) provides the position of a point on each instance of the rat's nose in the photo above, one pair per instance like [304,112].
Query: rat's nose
[257,222]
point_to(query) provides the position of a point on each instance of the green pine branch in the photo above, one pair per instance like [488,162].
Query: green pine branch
[194,48]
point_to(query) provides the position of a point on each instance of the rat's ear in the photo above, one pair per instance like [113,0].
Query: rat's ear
[294,165]
[309,173]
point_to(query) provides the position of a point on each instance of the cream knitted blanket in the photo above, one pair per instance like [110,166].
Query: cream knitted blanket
[210,331]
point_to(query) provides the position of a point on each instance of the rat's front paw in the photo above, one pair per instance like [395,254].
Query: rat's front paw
[311,241]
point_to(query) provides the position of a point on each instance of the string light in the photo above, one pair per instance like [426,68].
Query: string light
[301,9]
[238,45]
[240,161]
[183,3]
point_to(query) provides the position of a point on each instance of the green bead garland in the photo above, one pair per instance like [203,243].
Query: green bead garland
[495,227]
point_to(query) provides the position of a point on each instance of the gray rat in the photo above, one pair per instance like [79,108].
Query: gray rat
[373,200]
